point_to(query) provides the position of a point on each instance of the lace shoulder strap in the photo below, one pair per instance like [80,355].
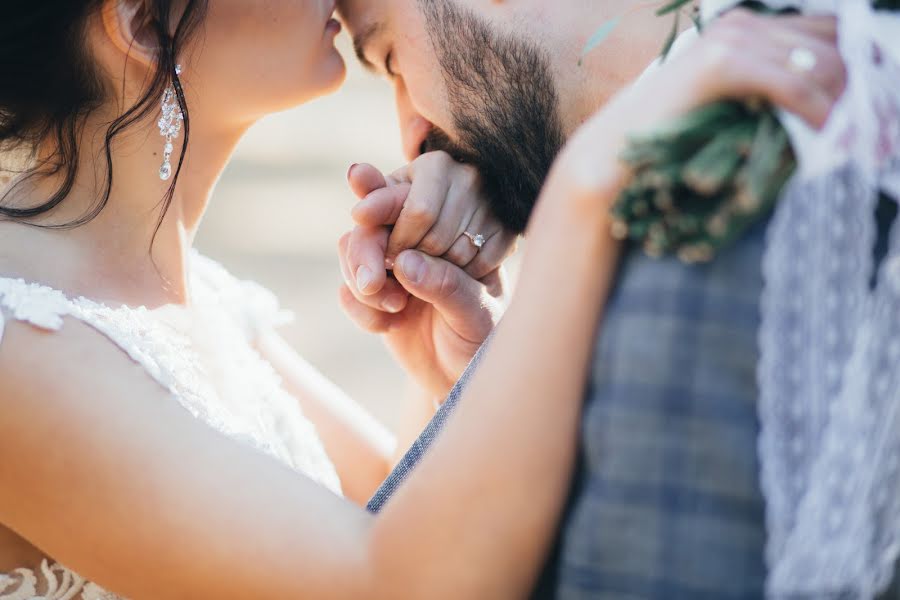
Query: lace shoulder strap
[253,306]
[44,308]
[38,305]
[163,352]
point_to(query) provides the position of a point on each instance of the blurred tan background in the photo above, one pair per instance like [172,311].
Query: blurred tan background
[281,207]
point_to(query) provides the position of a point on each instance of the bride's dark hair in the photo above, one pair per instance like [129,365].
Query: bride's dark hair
[50,84]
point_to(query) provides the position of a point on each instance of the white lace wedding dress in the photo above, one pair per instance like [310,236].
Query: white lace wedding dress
[244,400]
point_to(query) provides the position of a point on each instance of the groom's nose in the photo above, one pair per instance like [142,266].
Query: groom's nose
[414,128]
[415,132]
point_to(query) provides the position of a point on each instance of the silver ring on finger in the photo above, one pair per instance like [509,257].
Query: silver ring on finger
[477,240]
[802,60]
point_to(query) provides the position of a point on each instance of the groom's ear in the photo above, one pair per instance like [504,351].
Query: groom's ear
[131,28]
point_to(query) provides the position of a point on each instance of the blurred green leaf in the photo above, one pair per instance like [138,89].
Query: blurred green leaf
[710,170]
[767,157]
[672,7]
[673,35]
[601,34]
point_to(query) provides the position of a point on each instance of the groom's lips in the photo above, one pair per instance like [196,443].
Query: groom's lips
[333,25]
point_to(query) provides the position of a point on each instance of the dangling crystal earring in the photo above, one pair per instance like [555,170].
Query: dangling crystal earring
[169,125]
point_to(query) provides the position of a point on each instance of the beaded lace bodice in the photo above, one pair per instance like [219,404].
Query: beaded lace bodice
[238,393]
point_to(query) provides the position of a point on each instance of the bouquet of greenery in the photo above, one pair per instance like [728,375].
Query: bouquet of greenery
[701,181]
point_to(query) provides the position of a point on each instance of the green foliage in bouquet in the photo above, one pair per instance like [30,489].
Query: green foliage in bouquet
[702,180]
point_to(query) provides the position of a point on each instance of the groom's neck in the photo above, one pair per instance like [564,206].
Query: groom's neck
[615,63]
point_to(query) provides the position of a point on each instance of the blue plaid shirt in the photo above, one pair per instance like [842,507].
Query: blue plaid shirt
[666,501]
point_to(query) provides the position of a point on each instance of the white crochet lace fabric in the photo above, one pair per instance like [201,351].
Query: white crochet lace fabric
[50,583]
[255,410]
[830,346]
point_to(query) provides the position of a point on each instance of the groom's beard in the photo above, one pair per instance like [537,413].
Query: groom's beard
[505,108]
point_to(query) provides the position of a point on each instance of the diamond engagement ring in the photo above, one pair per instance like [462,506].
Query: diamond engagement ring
[802,60]
[477,239]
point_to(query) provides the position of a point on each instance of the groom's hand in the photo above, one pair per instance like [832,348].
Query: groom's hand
[444,322]
[444,297]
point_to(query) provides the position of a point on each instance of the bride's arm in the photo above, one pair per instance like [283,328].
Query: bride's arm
[360,447]
[506,454]
[114,479]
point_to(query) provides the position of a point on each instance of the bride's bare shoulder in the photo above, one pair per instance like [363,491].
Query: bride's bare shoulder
[65,379]
[72,409]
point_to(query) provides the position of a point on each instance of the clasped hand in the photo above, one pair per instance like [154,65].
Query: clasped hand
[412,275]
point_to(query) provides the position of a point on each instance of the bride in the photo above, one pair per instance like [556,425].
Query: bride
[151,444]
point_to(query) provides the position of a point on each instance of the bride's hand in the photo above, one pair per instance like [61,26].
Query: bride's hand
[433,323]
[429,205]
[745,54]
[739,56]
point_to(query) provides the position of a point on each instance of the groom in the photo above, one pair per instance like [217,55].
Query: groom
[666,501]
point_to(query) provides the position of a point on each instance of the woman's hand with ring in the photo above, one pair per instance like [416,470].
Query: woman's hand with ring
[446,293]
[792,61]
[435,205]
